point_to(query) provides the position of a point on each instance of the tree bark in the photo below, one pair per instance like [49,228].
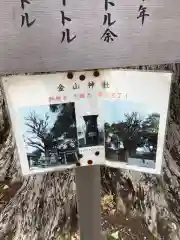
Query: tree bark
[157,198]
[45,205]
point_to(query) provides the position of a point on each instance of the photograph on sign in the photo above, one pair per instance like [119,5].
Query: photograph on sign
[135,115]
[115,118]
[131,134]
[50,135]
[90,125]
[57,120]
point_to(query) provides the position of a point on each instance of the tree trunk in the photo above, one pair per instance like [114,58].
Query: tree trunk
[157,198]
[45,205]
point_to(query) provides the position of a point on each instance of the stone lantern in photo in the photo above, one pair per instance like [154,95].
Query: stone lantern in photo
[91,132]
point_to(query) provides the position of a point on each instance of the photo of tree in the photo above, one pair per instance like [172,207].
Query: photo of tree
[50,135]
[131,133]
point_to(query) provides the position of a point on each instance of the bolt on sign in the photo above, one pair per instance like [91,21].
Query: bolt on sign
[115,118]
[44,36]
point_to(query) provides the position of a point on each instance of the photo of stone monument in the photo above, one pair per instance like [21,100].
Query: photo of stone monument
[90,128]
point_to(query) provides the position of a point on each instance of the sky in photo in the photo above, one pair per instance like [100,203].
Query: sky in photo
[114,110]
[88,107]
[40,111]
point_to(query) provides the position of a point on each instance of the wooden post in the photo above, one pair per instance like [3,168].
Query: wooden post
[88,198]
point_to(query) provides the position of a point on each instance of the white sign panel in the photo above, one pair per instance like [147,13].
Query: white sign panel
[112,117]
[63,35]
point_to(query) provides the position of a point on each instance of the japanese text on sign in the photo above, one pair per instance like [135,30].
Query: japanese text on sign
[25,17]
[142,12]
[108,35]
[66,33]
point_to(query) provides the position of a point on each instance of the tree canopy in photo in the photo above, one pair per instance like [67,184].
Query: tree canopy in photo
[135,131]
[65,124]
[43,137]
